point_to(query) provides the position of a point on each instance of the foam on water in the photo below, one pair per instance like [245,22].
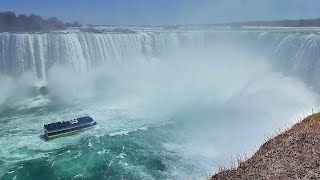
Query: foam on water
[168,104]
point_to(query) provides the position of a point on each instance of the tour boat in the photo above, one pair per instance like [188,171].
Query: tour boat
[64,128]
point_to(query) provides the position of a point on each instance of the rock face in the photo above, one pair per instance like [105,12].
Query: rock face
[36,91]
[294,154]
[43,90]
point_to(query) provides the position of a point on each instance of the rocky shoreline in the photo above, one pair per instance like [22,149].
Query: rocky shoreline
[294,154]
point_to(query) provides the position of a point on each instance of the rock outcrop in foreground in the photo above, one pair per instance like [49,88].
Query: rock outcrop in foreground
[294,154]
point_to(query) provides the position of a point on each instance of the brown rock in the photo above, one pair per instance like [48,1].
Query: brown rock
[294,154]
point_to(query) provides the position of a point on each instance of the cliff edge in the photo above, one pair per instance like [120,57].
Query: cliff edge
[294,154]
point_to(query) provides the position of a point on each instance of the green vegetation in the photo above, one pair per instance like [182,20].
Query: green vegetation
[9,21]
[280,23]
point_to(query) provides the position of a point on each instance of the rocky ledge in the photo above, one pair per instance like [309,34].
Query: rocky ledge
[294,154]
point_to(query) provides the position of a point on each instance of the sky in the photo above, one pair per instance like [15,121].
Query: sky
[165,12]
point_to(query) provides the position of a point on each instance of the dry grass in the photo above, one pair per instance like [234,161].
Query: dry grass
[292,154]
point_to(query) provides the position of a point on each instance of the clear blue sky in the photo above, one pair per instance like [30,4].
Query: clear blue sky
[165,11]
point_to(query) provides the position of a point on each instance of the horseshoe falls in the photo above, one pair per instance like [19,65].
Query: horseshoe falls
[169,103]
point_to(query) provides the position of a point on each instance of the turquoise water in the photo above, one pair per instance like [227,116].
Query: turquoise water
[121,146]
[128,145]
[169,105]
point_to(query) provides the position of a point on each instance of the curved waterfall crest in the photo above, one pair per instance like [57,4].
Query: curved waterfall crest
[295,53]
[37,52]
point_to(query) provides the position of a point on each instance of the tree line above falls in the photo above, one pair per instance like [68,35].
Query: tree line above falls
[279,23]
[9,21]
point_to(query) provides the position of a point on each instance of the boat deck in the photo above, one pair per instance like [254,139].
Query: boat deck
[59,126]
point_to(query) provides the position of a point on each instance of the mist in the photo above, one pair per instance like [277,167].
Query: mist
[217,99]
[226,102]
[173,89]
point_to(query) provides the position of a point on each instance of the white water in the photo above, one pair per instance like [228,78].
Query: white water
[225,96]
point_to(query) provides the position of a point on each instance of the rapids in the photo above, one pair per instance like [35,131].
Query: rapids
[170,104]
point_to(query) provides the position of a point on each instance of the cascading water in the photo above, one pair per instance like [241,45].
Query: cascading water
[37,52]
[22,52]
[294,53]
[170,104]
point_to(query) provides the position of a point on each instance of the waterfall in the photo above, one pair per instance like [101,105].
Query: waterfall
[37,52]
[294,53]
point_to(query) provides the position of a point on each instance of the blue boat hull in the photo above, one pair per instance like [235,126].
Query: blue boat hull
[66,128]
[69,132]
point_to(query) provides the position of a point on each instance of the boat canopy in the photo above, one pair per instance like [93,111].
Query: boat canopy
[68,124]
